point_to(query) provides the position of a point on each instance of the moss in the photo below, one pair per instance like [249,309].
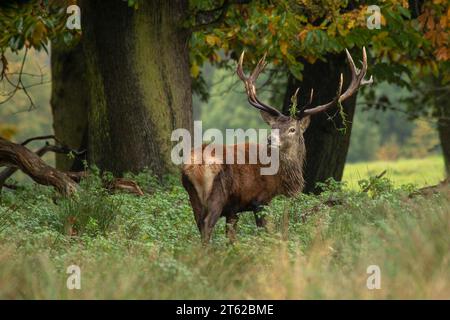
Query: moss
[69,99]
[159,78]
[99,138]
[139,84]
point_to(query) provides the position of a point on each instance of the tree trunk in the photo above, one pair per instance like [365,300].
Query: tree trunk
[138,76]
[326,146]
[444,136]
[69,102]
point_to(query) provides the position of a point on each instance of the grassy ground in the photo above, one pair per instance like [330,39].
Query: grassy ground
[420,172]
[148,247]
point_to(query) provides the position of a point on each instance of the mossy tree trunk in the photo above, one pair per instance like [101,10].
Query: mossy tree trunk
[69,102]
[443,104]
[326,140]
[137,72]
[444,135]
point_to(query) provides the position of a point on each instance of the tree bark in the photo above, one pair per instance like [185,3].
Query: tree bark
[441,103]
[139,82]
[326,146]
[444,136]
[69,102]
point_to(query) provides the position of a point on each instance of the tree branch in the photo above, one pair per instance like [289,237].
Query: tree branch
[31,164]
[8,172]
[17,156]
[210,19]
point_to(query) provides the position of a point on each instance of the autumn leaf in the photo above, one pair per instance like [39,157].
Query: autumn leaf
[302,34]
[212,40]
[195,70]
[442,54]
[39,33]
[283,47]
[7,132]
[311,59]
[271,28]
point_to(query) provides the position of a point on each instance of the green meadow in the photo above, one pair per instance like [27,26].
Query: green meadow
[420,172]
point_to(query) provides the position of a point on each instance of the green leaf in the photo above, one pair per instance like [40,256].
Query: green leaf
[405,12]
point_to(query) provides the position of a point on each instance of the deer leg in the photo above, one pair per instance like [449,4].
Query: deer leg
[197,207]
[215,206]
[231,225]
[209,223]
[199,214]
[259,219]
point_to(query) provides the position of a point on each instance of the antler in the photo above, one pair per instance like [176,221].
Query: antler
[357,81]
[250,85]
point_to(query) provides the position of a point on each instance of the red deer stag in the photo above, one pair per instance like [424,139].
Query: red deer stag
[219,189]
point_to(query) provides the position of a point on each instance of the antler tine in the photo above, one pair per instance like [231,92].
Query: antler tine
[259,67]
[311,95]
[356,82]
[357,75]
[250,87]
[241,75]
[364,81]
[324,107]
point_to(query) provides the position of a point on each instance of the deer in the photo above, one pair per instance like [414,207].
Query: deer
[217,189]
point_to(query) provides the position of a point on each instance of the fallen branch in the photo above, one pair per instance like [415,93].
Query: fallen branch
[430,190]
[125,185]
[369,186]
[12,154]
[8,172]
[17,156]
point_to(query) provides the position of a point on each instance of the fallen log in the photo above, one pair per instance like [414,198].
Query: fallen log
[8,172]
[430,190]
[19,156]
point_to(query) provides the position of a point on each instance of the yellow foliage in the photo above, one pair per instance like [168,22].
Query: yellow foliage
[388,151]
[212,40]
[424,138]
[283,47]
[7,131]
[39,33]
[195,70]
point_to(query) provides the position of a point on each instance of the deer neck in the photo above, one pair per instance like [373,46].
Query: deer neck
[291,174]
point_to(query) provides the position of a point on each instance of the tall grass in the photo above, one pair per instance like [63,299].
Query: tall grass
[149,248]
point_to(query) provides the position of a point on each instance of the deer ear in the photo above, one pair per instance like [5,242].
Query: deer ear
[304,123]
[268,118]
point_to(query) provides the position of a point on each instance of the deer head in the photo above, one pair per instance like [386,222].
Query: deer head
[291,128]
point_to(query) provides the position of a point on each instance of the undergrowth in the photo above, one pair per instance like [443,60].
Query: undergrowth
[149,247]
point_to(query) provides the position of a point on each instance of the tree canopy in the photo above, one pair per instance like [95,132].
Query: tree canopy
[406,41]
[409,42]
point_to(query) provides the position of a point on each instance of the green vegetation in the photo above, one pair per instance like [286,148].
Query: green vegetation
[420,172]
[148,247]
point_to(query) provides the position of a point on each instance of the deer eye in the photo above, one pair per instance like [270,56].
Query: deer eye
[291,130]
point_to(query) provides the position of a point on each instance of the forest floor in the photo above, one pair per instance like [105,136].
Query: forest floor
[149,247]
